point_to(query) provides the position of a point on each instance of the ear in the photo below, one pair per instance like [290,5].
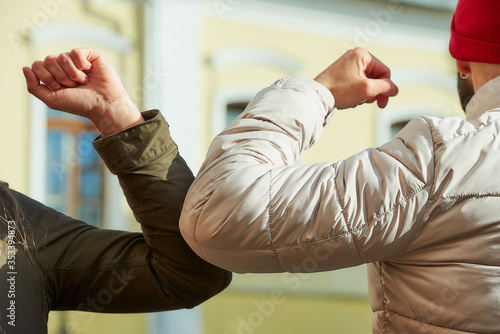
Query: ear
[463,66]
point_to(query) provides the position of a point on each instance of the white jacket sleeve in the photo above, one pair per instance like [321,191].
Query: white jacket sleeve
[251,209]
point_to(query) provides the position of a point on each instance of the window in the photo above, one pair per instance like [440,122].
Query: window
[233,110]
[74,172]
[396,127]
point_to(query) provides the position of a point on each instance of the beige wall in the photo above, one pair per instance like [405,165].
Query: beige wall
[326,302]
[335,301]
[20,23]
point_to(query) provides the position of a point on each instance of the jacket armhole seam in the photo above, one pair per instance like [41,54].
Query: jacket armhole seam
[384,305]
[270,218]
[269,211]
[430,183]
[344,215]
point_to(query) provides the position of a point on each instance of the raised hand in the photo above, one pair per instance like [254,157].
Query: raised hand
[358,77]
[83,83]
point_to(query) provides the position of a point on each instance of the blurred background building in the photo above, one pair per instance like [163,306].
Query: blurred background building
[200,62]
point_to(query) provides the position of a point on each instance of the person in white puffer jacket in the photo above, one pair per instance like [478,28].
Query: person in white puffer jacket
[422,210]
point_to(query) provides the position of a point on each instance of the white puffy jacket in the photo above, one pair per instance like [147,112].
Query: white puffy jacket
[423,210]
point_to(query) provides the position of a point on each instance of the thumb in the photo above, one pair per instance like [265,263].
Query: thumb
[383,86]
[381,90]
[38,90]
[83,58]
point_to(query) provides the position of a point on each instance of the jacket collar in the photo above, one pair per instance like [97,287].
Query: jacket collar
[485,99]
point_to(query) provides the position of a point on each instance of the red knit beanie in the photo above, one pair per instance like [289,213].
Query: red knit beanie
[475,31]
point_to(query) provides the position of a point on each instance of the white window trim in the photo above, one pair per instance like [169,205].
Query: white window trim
[172,46]
[113,216]
[244,55]
[223,97]
[390,116]
[38,153]
[410,76]
[71,32]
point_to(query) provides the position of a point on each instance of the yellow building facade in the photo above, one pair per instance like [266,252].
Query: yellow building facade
[201,62]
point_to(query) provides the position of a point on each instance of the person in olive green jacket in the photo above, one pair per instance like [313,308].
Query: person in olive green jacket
[50,261]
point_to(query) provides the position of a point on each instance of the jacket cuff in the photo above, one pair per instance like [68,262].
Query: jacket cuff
[136,145]
[323,93]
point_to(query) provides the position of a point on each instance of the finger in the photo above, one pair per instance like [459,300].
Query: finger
[34,87]
[66,63]
[45,76]
[382,101]
[84,57]
[52,65]
[382,87]
[376,69]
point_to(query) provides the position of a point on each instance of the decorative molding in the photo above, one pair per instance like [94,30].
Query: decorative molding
[71,32]
[421,75]
[223,97]
[408,76]
[390,116]
[244,55]
[441,4]
[38,149]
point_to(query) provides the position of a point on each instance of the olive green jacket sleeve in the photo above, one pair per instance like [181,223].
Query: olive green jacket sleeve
[155,180]
[61,263]
[100,270]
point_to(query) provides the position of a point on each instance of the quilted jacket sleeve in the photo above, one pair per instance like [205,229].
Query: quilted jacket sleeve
[251,209]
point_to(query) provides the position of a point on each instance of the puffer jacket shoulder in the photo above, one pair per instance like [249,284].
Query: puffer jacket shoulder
[421,210]
[251,209]
[448,279]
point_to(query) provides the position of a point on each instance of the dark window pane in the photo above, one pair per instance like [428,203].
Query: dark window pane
[74,173]
[57,170]
[396,127]
[234,110]
[91,184]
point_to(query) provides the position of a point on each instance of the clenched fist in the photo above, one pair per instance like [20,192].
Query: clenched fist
[83,83]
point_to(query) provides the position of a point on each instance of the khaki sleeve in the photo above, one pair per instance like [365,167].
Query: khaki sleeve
[98,270]
[155,180]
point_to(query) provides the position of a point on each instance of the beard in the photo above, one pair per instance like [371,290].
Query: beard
[465,91]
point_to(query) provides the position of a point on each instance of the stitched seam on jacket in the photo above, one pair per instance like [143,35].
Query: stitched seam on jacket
[372,220]
[103,267]
[344,215]
[377,217]
[476,196]
[384,322]
[420,223]
[195,227]
[168,149]
[269,212]
[131,189]
[433,157]
[439,326]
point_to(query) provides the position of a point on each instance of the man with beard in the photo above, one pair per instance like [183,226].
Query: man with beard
[422,210]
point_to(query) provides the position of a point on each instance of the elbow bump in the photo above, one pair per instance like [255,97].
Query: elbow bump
[206,287]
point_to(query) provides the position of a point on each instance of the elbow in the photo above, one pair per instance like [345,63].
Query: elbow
[206,286]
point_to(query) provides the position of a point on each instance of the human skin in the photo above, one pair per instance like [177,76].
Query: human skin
[357,78]
[83,83]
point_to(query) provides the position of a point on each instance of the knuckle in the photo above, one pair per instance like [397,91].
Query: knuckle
[50,59]
[37,64]
[76,53]
[359,51]
[63,58]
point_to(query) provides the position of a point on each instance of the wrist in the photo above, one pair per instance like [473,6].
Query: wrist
[117,117]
